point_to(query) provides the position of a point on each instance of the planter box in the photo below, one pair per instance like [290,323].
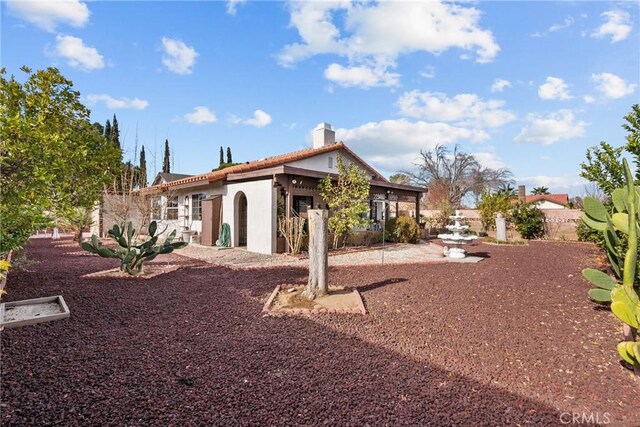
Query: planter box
[31,311]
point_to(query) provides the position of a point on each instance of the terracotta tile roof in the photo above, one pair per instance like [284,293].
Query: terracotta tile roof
[268,163]
[561,199]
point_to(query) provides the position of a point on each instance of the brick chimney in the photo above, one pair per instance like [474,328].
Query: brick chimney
[521,193]
[323,135]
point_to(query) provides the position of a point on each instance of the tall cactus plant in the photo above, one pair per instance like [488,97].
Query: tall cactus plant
[133,256]
[625,296]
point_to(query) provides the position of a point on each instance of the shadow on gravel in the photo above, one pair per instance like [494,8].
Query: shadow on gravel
[380,284]
[187,349]
[479,254]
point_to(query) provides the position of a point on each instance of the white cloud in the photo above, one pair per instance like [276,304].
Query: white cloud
[377,33]
[589,99]
[429,72]
[465,109]
[568,21]
[361,76]
[571,184]
[617,25]
[489,159]
[117,103]
[232,6]
[200,115]
[554,88]
[260,119]
[393,145]
[77,54]
[48,14]
[178,57]
[551,128]
[499,85]
[612,86]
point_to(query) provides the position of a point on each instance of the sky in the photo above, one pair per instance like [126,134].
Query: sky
[524,85]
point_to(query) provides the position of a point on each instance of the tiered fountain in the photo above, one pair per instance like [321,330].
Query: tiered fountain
[457,239]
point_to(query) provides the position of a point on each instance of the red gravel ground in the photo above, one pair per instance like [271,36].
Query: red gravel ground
[511,340]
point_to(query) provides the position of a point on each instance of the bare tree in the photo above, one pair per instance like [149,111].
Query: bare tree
[123,201]
[455,176]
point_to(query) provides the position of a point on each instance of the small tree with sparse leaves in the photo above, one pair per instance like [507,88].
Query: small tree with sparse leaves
[347,200]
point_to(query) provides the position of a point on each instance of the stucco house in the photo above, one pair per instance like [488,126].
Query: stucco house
[548,201]
[251,196]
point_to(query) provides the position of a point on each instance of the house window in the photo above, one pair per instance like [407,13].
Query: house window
[196,206]
[330,162]
[156,211]
[172,208]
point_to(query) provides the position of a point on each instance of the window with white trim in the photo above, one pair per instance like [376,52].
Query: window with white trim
[196,206]
[172,208]
[156,208]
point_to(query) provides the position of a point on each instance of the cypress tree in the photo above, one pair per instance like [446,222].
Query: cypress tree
[115,132]
[143,169]
[221,157]
[107,130]
[165,164]
[229,159]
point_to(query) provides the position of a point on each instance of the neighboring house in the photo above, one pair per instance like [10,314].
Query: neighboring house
[543,201]
[548,201]
[164,177]
[251,196]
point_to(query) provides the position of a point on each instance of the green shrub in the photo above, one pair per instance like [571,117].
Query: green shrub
[390,230]
[406,230]
[528,220]
[588,234]
[490,204]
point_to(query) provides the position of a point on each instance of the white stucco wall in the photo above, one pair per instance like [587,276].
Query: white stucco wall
[545,204]
[184,210]
[321,162]
[261,214]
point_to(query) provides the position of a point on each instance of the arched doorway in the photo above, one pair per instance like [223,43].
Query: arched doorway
[240,219]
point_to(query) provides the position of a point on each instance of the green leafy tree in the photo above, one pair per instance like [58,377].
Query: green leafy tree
[115,132]
[492,203]
[347,200]
[229,157]
[166,165]
[400,178]
[107,130]
[221,157]
[528,220]
[52,158]
[540,190]
[142,180]
[604,167]
[508,190]
[604,163]
[632,126]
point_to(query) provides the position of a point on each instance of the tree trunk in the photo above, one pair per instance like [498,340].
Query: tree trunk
[317,285]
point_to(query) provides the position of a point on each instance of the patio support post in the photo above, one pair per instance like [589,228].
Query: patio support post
[288,206]
[418,208]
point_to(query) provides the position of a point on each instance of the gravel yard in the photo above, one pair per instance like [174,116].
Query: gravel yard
[511,340]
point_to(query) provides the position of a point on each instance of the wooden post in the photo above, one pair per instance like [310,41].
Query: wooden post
[418,208]
[318,284]
[288,206]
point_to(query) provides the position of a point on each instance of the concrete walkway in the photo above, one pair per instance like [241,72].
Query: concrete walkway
[393,254]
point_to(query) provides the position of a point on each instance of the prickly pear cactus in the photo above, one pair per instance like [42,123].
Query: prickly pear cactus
[624,297]
[132,257]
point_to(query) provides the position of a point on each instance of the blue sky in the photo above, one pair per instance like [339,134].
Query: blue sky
[523,85]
